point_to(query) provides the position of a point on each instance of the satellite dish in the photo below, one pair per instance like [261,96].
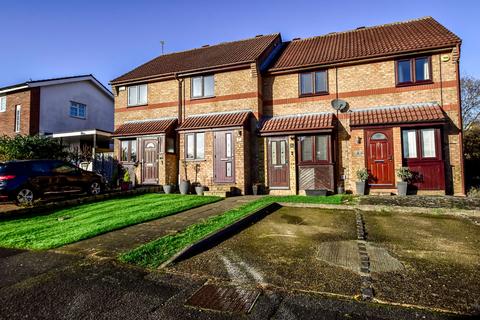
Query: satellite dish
[340,105]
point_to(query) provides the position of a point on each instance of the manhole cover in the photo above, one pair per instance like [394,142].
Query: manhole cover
[223,298]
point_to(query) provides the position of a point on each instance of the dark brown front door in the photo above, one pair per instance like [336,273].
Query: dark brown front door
[278,170]
[224,166]
[379,151]
[150,161]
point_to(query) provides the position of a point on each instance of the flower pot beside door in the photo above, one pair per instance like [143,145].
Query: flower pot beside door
[199,189]
[405,176]
[184,186]
[167,188]
[361,184]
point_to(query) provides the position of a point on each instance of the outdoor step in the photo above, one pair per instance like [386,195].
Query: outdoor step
[217,193]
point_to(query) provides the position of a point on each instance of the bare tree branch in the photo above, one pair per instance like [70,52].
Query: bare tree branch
[470,91]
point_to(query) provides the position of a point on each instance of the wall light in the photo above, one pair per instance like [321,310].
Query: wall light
[359,140]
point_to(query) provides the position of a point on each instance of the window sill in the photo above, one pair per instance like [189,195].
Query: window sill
[137,105]
[313,94]
[410,84]
[202,98]
[195,160]
[81,118]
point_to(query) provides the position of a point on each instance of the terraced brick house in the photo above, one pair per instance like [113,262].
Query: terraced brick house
[299,115]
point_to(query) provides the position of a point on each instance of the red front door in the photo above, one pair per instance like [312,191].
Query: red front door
[379,154]
[278,171]
[224,166]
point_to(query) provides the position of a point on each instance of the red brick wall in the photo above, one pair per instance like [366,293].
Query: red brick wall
[29,100]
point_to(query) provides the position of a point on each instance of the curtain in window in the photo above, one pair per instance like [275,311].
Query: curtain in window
[321,81]
[321,148]
[404,74]
[200,143]
[306,85]
[190,146]
[306,146]
[142,94]
[197,87]
[208,85]
[132,95]
[421,69]
[409,144]
[428,143]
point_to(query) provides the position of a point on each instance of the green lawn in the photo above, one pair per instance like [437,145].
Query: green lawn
[88,220]
[154,253]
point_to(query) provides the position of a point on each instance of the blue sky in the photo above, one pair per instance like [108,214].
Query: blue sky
[51,38]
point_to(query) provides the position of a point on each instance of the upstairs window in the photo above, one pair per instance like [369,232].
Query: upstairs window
[18,118]
[413,71]
[3,103]
[313,83]
[137,95]
[78,110]
[203,86]
[195,146]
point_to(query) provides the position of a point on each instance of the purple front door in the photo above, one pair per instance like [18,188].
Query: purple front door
[224,164]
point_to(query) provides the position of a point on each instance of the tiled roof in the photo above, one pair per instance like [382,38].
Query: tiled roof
[299,123]
[215,120]
[223,54]
[134,128]
[428,112]
[414,35]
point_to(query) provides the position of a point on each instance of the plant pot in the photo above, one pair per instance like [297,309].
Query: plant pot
[340,189]
[360,186]
[256,189]
[125,186]
[199,190]
[184,187]
[167,188]
[402,187]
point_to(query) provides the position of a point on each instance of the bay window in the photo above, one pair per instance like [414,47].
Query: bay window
[421,144]
[128,151]
[314,149]
[413,71]
[195,146]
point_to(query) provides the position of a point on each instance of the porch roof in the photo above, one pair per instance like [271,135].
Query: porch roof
[297,123]
[215,120]
[144,127]
[413,113]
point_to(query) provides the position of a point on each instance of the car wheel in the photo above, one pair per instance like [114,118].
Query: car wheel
[95,188]
[25,196]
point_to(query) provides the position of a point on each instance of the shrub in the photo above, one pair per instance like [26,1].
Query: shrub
[31,147]
[404,174]
[362,174]
[474,192]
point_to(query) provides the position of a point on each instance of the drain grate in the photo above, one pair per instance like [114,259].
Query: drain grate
[224,298]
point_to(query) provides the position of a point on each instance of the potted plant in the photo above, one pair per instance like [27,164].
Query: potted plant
[257,188]
[184,183]
[168,187]
[199,189]
[405,176]
[362,176]
[126,183]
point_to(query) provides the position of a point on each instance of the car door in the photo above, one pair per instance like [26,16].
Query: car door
[68,177]
[42,178]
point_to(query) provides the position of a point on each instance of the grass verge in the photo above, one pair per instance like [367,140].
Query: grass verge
[85,221]
[153,254]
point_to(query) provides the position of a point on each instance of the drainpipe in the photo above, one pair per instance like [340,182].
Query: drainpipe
[180,100]
[460,124]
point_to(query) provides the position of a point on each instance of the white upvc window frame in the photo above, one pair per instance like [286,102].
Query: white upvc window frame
[74,110]
[136,100]
[18,118]
[3,103]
